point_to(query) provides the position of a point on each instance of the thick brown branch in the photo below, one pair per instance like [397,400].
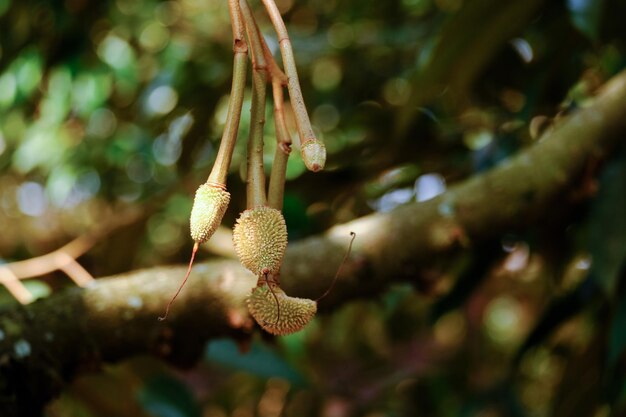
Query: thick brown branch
[46,343]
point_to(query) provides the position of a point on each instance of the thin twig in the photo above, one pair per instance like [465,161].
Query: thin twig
[57,259]
[76,272]
[68,253]
[15,286]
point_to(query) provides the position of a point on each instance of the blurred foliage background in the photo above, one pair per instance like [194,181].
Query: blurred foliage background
[112,110]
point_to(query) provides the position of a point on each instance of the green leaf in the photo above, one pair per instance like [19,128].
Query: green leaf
[617,335]
[586,16]
[259,360]
[607,225]
[165,396]
[4,6]
[38,288]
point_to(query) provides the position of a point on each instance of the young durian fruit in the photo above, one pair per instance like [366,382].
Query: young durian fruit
[276,312]
[209,206]
[313,154]
[260,239]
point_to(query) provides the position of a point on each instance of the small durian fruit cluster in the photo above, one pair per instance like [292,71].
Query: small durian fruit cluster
[260,240]
[260,234]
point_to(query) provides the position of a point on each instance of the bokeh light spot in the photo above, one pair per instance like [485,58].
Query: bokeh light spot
[154,37]
[393,199]
[450,329]
[167,13]
[340,35]
[326,74]
[139,170]
[502,320]
[29,73]
[161,100]
[477,139]
[31,199]
[8,89]
[397,91]
[102,123]
[429,186]
[326,117]
[116,52]
[523,49]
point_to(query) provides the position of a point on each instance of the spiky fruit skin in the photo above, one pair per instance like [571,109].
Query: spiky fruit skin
[295,313]
[260,239]
[209,207]
[314,155]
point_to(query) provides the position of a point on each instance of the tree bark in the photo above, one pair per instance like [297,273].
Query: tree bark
[45,344]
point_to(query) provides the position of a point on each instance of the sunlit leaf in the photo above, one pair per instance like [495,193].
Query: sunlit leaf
[607,225]
[617,335]
[259,360]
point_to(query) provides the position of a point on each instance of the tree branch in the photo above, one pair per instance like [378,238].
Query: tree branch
[45,344]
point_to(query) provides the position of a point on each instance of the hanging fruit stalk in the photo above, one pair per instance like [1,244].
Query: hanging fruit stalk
[312,149]
[211,199]
[260,234]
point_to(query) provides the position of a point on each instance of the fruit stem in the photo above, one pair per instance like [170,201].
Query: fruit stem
[283,138]
[219,172]
[283,149]
[256,173]
[303,123]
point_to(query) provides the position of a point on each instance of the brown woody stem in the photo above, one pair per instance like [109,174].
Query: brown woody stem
[256,173]
[283,148]
[283,138]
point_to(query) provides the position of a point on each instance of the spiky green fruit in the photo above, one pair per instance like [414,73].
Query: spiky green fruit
[313,154]
[290,315]
[209,207]
[260,239]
